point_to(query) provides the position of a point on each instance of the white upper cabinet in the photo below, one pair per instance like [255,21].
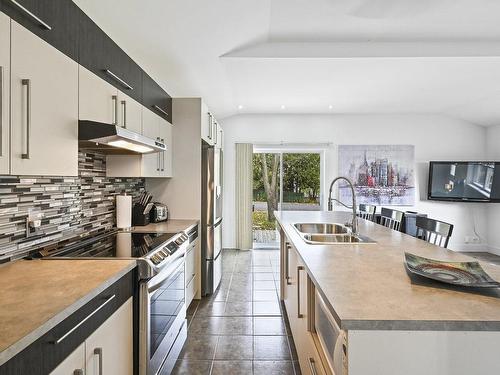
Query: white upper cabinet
[44,107]
[207,125]
[150,166]
[4,93]
[98,100]
[158,164]
[166,156]
[129,113]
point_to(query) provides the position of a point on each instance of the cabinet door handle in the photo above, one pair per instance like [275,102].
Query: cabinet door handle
[159,109]
[114,98]
[1,110]
[27,83]
[78,372]
[162,157]
[118,79]
[108,300]
[158,158]
[98,353]
[33,16]
[299,315]
[312,366]
[209,125]
[287,264]
[124,106]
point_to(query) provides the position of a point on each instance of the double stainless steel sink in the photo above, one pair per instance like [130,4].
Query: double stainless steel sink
[329,234]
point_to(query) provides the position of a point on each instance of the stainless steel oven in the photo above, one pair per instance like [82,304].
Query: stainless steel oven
[162,317]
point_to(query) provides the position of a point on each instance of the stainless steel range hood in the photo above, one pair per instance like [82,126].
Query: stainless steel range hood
[112,139]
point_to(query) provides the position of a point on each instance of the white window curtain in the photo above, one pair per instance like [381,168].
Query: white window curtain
[244,194]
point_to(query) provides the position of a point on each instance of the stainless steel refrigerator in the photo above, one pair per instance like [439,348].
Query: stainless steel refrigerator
[211,218]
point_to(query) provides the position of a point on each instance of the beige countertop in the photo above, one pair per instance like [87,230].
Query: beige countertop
[368,288]
[169,226]
[36,295]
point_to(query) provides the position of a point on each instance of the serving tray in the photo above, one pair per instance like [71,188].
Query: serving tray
[468,274]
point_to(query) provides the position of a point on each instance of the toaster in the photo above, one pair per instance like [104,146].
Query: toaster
[158,213]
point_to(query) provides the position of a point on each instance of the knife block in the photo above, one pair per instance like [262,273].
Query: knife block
[139,218]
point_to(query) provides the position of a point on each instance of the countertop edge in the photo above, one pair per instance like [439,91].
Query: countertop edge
[392,325]
[31,337]
[419,325]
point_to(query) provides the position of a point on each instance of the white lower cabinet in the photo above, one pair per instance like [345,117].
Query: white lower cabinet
[297,295]
[44,107]
[74,364]
[108,350]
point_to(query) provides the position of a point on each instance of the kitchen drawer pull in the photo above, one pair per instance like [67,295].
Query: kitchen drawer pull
[1,110]
[287,264]
[27,83]
[299,315]
[36,18]
[159,109]
[108,300]
[118,79]
[124,106]
[312,366]
[114,98]
[78,372]
[98,353]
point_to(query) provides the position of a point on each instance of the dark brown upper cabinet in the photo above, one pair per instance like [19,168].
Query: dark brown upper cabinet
[102,56]
[55,21]
[156,99]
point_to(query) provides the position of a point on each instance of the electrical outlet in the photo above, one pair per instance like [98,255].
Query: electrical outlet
[472,239]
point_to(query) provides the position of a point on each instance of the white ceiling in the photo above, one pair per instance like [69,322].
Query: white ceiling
[317,56]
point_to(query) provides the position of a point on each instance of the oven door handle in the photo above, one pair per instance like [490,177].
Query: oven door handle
[155,282]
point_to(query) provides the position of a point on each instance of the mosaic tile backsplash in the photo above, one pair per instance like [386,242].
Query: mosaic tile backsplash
[68,207]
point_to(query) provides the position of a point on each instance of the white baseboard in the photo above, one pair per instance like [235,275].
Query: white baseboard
[468,247]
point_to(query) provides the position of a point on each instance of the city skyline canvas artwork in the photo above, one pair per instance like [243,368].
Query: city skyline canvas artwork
[381,174]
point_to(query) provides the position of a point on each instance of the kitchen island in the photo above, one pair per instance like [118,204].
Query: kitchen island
[385,322]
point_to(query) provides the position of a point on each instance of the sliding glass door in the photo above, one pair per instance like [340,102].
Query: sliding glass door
[282,180]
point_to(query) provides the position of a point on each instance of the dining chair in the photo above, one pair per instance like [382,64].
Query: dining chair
[434,231]
[391,218]
[367,212]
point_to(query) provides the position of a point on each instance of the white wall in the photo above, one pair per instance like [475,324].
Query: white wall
[493,147]
[435,138]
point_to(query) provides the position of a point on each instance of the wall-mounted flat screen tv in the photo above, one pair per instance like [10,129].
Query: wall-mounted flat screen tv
[464,181]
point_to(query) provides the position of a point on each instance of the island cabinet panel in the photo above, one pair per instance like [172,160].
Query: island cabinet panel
[424,352]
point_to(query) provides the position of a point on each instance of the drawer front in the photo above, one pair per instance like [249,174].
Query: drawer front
[45,354]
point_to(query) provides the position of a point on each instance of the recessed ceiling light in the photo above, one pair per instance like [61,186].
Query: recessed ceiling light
[330,106]
[240,107]
[283,106]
